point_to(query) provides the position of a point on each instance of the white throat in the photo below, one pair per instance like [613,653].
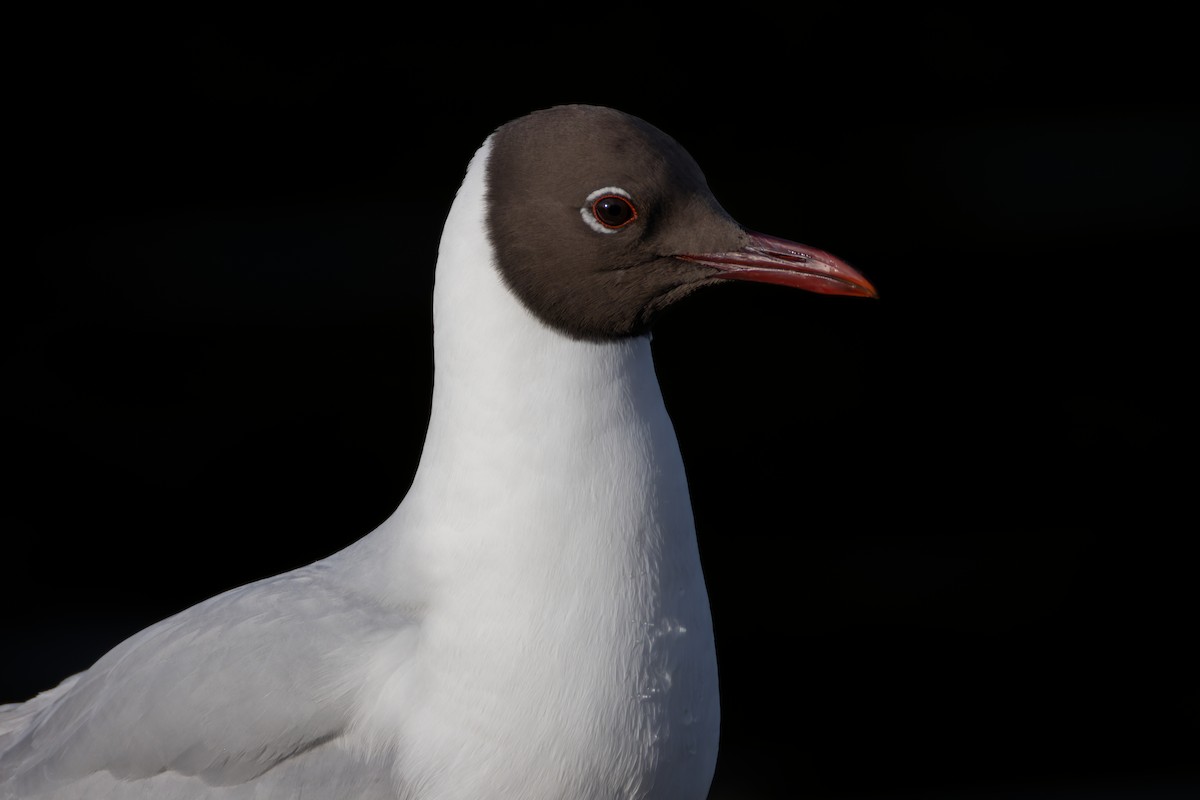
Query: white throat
[559,579]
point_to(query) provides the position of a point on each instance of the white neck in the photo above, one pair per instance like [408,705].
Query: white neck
[531,428]
[552,527]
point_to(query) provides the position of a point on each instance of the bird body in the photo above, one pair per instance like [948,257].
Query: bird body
[532,621]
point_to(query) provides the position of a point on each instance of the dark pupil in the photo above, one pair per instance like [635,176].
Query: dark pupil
[613,211]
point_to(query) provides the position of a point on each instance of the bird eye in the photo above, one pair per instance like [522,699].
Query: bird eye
[614,211]
[609,209]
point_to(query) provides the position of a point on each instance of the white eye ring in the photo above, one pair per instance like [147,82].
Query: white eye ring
[588,211]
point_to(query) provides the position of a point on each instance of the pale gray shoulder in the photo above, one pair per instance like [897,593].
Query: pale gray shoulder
[15,717]
[325,771]
[223,691]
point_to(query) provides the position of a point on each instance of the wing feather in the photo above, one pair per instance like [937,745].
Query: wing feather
[223,691]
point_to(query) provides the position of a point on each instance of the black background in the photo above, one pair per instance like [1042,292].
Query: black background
[948,534]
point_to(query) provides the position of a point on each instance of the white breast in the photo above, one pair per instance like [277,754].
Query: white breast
[566,644]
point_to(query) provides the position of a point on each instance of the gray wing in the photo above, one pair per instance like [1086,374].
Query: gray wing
[248,684]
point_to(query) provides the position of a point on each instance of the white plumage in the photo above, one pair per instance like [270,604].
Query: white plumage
[548,533]
[532,621]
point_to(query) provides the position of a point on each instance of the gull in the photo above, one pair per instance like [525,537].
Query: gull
[532,621]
